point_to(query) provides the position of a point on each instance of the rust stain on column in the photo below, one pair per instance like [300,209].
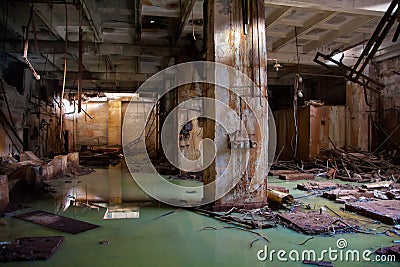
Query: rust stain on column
[228,43]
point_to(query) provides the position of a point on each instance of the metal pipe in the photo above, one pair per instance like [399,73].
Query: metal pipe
[80,63]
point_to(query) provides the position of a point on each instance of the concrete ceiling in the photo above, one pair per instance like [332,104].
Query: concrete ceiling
[126,41]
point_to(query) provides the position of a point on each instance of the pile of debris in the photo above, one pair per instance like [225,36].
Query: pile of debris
[30,174]
[359,166]
[352,166]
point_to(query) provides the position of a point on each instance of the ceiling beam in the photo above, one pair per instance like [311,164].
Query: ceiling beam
[184,19]
[290,58]
[333,35]
[94,21]
[359,7]
[307,27]
[272,19]
[46,17]
[90,48]
[109,76]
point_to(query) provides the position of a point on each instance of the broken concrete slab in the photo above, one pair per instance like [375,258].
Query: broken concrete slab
[340,193]
[311,186]
[73,157]
[30,248]
[313,222]
[378,185]
[30,156]
[386,211]
[56,222]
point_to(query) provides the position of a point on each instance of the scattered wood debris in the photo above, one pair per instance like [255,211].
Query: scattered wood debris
[296,176]
[386,211]
[315,222]
[312,186]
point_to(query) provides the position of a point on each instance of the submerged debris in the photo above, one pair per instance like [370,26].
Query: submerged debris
[319,263]
[315,223]
[30,248]
[260,236]
[386,211]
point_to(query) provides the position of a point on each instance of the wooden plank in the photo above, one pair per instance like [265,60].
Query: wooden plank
[386,211]
[56,222]
[296,176]
[312,223]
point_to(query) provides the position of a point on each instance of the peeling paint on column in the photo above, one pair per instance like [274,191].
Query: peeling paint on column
[246,53]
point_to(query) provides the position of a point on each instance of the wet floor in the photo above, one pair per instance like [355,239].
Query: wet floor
[175,239]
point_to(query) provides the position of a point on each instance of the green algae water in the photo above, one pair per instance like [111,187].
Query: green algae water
[174,239]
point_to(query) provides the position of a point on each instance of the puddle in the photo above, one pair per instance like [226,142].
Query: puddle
[174,239]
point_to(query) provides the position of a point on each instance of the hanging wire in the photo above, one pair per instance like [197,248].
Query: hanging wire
[194,36]
[296,88]
[65,72]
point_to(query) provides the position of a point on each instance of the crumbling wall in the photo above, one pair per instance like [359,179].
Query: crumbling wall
[35,117]
[92,131]
[388,73]
[358,121]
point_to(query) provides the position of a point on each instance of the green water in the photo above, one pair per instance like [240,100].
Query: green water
[173,240]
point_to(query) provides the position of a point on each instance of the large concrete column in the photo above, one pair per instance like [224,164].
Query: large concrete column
[114,122]
[239,42]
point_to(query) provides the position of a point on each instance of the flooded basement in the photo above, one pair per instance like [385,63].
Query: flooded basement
[174,239]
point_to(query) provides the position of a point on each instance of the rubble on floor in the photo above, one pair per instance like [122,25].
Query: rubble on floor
[30,248]
[386,211]
[372,187]
[352,166]
[311,186]
[33,172]
[315,222]
[391,250]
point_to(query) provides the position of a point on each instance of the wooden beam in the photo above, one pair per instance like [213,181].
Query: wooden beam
[273,19]
[110,76]
[359,7]
[184,19]
[307,27]
[333,35]
[94,21]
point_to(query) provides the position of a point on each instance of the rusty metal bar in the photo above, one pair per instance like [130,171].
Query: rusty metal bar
[376,39]
[367,82]
[188,8]
[80,70]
